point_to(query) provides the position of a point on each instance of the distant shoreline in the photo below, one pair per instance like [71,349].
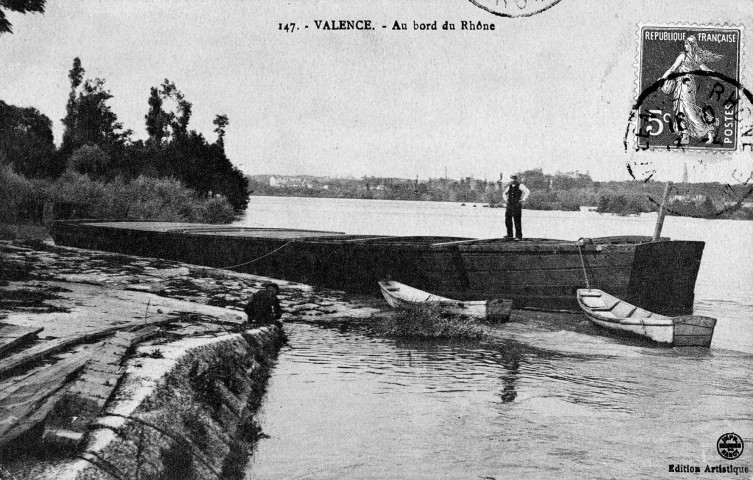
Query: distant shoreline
[615,204]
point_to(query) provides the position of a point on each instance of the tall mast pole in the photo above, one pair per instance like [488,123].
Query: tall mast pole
[662,213]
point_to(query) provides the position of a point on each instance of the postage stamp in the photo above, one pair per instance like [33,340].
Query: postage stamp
[689,87]
[515,8]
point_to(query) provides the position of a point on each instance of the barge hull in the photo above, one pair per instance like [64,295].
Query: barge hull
[542,274]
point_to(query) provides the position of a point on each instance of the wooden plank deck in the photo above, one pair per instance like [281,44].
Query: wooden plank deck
[42,350]
[71,415]
[11,336]
[25,404]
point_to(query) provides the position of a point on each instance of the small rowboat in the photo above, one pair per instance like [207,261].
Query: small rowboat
[399,295]
[610,312]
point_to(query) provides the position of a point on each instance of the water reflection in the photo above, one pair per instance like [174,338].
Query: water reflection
[452,368]
[345,404]
[434,368]
[508,393]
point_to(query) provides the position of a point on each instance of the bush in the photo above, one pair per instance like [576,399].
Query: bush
[217,210]
[573,199]
[427,323]
[623,204]
[541,200]
[16,193]
[144,198]
[89,160]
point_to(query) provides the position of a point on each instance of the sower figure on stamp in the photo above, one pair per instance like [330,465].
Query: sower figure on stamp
[515,194]
[264,307]
[695,122]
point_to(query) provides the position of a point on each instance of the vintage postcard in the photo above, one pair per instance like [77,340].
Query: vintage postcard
[358,239]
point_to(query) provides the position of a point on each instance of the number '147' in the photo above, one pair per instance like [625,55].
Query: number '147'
[288,27]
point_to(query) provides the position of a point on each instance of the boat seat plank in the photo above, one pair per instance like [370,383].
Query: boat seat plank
[623,310]
[609,304]
[594,303]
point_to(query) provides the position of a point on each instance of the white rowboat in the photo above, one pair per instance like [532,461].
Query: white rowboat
[399,295]
[610,312]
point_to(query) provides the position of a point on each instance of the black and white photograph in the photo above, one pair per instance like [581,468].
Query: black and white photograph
[376,239]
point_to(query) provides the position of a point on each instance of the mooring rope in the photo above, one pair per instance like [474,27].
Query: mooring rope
[257,259]
[583,264]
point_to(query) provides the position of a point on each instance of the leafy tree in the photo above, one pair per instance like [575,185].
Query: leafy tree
[90,160]
[19,6]
[708,206]
[175,151]
[26,140]
[76,76]
[535,179]
[173,123]
[89,119]
[157,121]
[221,121]
[569,181]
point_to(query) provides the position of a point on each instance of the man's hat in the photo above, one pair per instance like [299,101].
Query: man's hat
[513,176]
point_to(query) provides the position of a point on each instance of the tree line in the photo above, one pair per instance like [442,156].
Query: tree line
[95,143]
[567,191]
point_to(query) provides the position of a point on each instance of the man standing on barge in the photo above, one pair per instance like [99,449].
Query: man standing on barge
[515,194]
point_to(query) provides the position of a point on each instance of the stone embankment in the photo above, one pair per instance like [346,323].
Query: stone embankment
[179,403]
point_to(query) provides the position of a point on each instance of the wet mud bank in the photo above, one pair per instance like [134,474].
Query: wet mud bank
[198,422]
[182,399]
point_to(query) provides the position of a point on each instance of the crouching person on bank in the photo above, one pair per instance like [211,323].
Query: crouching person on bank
[264,307]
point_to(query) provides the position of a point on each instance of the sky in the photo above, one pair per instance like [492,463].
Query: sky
[551,91]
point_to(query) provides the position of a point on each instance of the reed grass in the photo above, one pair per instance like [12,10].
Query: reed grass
[428,323]
[140,198]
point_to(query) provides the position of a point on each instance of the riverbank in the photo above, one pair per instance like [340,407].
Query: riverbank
[188,404]
[189,391]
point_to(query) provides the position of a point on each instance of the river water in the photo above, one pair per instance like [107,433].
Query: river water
[543,400]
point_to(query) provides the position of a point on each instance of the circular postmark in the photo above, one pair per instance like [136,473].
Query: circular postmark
[721,107]
[725,109]
[730,446]
[691,102]
[515,8]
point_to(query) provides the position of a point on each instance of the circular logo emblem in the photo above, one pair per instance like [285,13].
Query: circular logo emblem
[730,446]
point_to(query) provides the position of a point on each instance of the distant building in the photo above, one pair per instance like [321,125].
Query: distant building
[289,182]
[690,198]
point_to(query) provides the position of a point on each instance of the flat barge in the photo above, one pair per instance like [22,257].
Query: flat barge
[534,273]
